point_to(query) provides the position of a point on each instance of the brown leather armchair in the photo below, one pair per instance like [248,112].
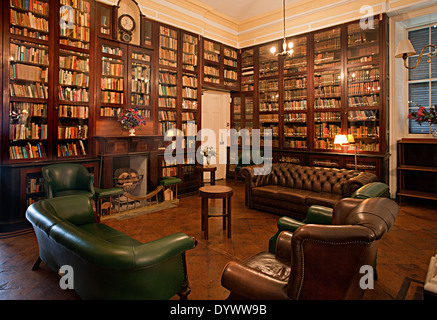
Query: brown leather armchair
[316,262]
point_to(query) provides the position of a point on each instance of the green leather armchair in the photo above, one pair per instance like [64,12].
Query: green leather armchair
[323,215]
[66,179]
[107,264]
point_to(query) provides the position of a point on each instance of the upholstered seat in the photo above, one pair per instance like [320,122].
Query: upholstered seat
[317,262]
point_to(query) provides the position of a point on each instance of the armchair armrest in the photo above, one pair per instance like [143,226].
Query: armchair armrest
[357,182]
[157,251]
[289,224]
[251,283]
[283,245]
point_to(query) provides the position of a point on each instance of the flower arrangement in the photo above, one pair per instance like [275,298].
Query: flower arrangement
[422,115]
[131,119]
[208,153]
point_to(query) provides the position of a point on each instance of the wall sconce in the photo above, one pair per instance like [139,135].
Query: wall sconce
[405,49]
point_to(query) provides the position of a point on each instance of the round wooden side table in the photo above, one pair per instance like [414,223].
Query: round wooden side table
[216,192]
[200,170]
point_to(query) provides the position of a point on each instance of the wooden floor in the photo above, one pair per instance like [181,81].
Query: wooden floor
[403,255]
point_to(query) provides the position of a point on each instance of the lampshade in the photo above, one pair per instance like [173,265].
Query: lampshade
[350,139]
[340,139]
[405,47]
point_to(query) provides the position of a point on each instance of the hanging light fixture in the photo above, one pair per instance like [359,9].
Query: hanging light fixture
[284,52]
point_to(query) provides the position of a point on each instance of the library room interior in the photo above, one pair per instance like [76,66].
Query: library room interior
[218,150]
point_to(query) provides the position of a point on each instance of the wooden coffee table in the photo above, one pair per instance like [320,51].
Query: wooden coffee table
[216,192]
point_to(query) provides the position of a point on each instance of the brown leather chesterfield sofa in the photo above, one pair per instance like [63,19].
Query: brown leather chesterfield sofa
[291,189]
[317,262]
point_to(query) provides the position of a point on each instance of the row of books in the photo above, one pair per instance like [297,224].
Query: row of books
[110,112]
[211,46]
[29,33]
[268,118]
[363,74]
[361,115]
[21,19]
[295,83]
[189,104]
[167,77]
[112,67]
[295,65]
[324,130]
[74,95]
[164,90]
[189,129]
[272,106]
[112,84]
[211,56]
[20,71]
[366,51]
[75,63]
[168,32]
[327,116]
[268,85]
[76,132]
[34,90]
[28,151]
[168,57]
[26,132]
[112,97]
[230,74]
[80,112]
[230,53]
[140,72]
[164,126]
[295,105]
[326,103]
[295,117]
[71,149]
[35,6]
[76,32]
[327,79]
[140,99]
[295,131]
[189,81]
[328,44]
[295,94]
[325,35]
[167,42]
[82,5]
[211,71]
[327,59]
[27,52]
[329,91]
[140,56]
[34,185]
[139,86]
[230,63]
[189,48]
[326,145]
[31,109]
[363,88]
[112,50]
[166,102]
[70,16]
[364,131]
[167,116]
[295,144]
[365,101]
[189,93]
[73,78]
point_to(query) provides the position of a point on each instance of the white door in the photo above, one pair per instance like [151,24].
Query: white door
[215,116]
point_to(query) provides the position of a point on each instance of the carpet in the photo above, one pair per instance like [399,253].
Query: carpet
[132,213]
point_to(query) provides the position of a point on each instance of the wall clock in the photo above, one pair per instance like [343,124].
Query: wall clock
[127,25]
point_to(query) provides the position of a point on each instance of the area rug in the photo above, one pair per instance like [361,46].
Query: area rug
[132,213]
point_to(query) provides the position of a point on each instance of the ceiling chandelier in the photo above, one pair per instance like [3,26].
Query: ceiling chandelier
[284,52]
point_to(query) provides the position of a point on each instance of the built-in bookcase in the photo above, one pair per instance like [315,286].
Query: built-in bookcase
[27,49]
[73,66]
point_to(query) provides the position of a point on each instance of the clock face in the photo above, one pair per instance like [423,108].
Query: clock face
[127,23]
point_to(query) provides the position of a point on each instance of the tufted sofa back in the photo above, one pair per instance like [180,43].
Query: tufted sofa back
[314,179]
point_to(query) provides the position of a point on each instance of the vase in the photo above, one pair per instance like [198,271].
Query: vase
[207,161]
[132,132]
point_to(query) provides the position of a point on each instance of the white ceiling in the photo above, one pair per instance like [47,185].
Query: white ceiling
[244,9]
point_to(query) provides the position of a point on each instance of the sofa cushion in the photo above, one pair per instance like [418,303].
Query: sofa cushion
[293,195]
[323,199]
[108,234]
[266,191]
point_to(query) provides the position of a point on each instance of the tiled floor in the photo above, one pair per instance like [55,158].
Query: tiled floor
[403,255]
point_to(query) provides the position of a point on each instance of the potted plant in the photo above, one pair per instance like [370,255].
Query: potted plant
[131,119]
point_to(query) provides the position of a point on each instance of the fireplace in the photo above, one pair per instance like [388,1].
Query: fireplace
[130,174]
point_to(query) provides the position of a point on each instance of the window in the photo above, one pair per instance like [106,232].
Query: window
[422,81]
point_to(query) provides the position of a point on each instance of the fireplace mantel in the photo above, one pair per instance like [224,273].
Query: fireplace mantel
[110,147]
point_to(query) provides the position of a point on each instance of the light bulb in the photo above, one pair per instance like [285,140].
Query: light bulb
[272,49]
[290,45]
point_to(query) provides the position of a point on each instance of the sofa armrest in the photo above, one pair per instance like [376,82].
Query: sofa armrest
[357,182]
[157,251]
[252,284]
